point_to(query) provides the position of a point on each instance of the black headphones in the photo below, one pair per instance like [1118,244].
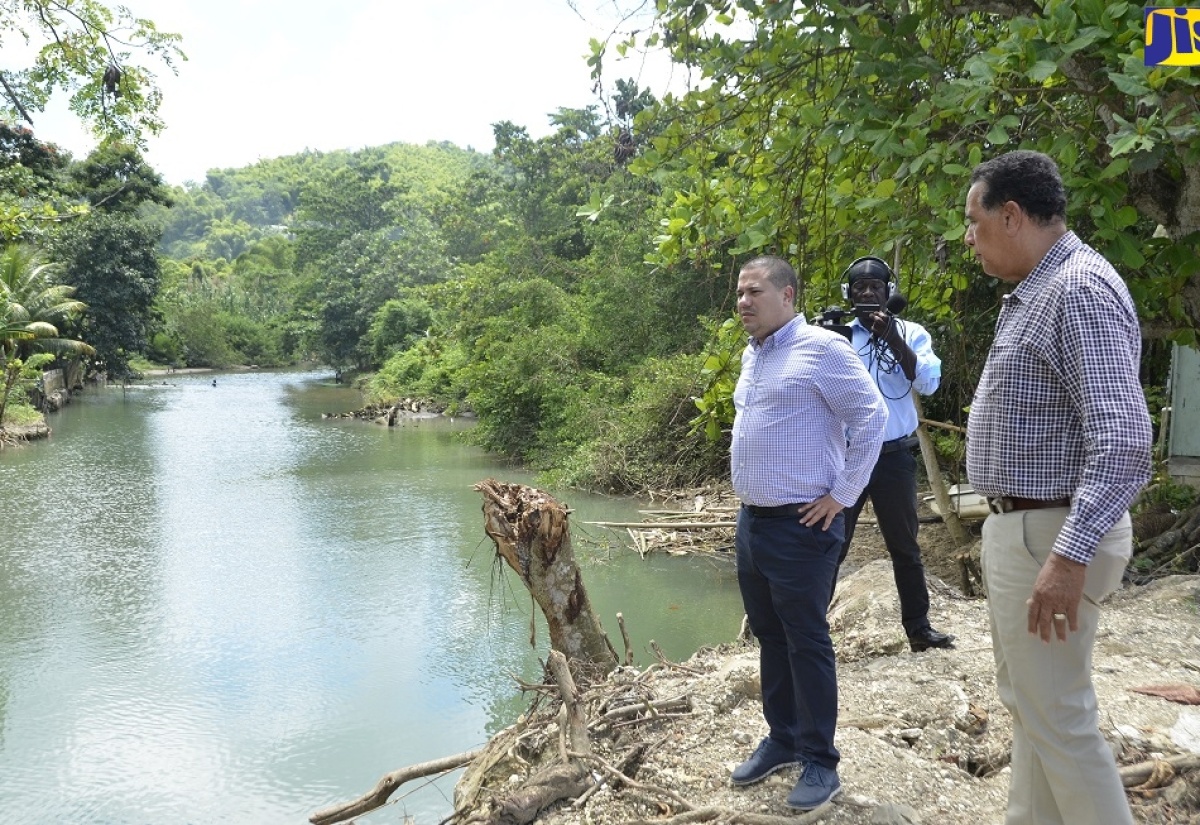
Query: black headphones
[868,266]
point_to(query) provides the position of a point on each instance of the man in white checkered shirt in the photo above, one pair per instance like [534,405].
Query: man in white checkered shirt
[801,396]
[1059,440]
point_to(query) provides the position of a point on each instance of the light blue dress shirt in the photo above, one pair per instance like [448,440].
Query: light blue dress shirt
[801,395]
[889,376]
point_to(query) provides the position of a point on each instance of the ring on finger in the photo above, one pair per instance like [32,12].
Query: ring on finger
[1060,617]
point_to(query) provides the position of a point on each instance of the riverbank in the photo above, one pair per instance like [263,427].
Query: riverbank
[15,434]
[923,737]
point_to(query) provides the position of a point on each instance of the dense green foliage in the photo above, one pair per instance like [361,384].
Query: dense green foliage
[34,307]
[92,53]
[575,291]
[838,130]
[100,59]
[111,263]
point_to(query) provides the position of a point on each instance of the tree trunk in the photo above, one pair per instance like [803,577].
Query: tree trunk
[1159,551]
[532,536]
[937,484]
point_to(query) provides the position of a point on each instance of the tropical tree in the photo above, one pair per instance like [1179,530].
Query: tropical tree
[32,196]
[339,204]
[97,56]
[835,125]
[33,307]
[90,52]
[115,178]
[823,132]
[266,274]
[397,325]
[110,260]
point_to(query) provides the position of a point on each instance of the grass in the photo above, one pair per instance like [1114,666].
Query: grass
[21,415]
[141,365]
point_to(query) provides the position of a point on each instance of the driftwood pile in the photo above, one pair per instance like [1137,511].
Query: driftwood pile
[390,414]
[1167,542]
[692,521]
[702,521]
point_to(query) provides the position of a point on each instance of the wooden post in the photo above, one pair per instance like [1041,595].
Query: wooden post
[958,533]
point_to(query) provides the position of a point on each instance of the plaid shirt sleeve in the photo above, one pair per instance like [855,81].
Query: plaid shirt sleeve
[1100,353]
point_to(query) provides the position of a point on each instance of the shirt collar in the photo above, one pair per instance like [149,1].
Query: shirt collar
[1043,273]
[784,335]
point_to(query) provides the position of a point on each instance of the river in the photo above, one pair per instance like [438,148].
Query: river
[216,606]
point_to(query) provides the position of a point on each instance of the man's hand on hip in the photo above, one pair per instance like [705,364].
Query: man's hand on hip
[824,509]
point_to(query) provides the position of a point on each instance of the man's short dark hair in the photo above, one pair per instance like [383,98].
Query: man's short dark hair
[779,272]
[1031,179]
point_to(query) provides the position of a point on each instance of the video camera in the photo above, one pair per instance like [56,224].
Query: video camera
[835,319]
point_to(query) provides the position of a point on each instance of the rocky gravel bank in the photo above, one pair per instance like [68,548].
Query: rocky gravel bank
[923,737]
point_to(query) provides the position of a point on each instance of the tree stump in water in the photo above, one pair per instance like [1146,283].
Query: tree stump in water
[530,530]
[531,534]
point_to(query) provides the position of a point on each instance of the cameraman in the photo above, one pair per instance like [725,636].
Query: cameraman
[900,359]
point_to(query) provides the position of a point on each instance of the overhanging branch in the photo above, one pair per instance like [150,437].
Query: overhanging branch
[16,101]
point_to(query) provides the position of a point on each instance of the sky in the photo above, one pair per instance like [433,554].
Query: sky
[266,78]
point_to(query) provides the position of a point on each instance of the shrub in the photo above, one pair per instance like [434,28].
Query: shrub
[646,440]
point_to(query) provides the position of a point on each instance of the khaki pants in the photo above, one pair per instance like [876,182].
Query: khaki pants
[1063,772]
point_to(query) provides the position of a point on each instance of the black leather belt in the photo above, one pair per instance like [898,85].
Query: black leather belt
[905,443]
[1010,504]
[773,512]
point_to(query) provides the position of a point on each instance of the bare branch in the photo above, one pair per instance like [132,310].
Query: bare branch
[386,786]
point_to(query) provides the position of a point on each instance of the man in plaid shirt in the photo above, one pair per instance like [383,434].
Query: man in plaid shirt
[807,429]
[1059,441]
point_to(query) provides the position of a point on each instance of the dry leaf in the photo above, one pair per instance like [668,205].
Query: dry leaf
[1183,694]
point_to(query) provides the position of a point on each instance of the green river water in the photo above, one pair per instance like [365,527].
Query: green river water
[216,607]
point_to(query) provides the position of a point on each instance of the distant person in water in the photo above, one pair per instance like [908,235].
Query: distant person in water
[214,382]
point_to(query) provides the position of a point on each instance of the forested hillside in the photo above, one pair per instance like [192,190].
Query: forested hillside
[575,291]
[292,257]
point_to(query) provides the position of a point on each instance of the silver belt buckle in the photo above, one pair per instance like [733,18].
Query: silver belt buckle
[1000,505]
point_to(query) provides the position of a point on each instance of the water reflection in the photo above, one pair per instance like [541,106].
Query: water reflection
[216,607]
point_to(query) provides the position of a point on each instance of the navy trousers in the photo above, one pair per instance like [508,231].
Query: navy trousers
[893,493]
[785,572]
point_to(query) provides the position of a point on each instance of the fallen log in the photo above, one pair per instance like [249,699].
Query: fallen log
[540,791]
[1132,775]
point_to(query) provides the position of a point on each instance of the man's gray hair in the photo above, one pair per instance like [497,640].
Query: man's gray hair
[1030,179]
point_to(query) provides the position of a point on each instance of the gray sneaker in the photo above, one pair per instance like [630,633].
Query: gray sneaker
[768,757]
[815,787]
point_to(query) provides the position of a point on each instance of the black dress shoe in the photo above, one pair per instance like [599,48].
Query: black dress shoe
[927,637]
